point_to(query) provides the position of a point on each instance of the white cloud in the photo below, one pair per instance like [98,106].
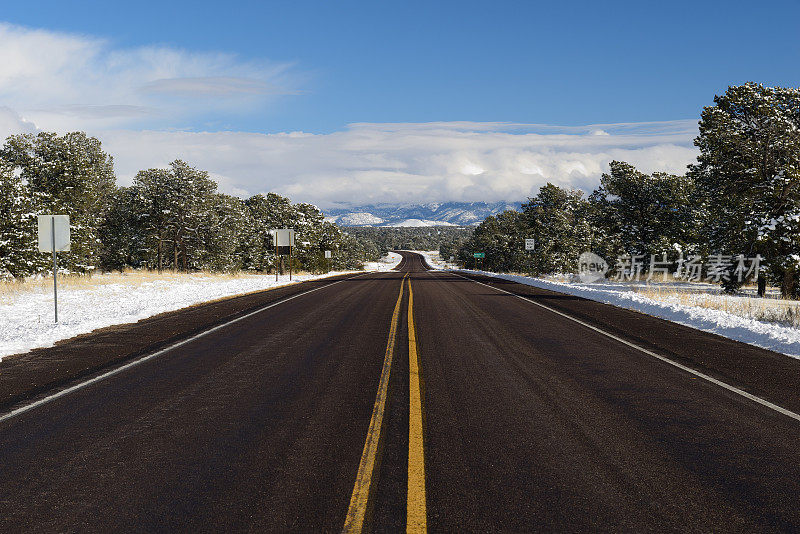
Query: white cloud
[66,81]
[216,86]
[11,123]
[128,97]
[409,162]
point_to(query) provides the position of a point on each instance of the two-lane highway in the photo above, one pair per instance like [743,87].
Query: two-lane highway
[415,400]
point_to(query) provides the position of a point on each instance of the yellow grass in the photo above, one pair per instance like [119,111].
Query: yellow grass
[773,310]
[786,312]
[129,277]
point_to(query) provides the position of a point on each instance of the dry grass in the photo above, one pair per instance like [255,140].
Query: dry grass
[129,277]
[770,309]
[786,312]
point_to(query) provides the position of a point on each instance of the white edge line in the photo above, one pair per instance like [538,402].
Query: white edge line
[698,374]
[54,396]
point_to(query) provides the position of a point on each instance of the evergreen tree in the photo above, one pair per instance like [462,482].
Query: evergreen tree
[748,177]
[68,175]
[268,212]
[643,214]
[19,252]
[558,219]
[500,237]
[228,236]
[122,232]
[176,209]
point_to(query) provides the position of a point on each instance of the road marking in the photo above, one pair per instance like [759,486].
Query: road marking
[143,359]
[415,505]
[698,374]
[355,521]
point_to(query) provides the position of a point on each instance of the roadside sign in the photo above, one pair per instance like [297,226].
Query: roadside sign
[529,244]
[53,229]
[53,238]
[284,237]
[327,254]
[284,242]
[479,255]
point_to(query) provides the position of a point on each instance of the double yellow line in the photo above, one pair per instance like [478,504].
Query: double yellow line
[360,501]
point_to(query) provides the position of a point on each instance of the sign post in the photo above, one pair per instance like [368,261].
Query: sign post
[284,243]
[328,257]
[478,256]
[54,237]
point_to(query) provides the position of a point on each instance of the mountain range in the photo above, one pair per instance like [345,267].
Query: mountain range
[429,214]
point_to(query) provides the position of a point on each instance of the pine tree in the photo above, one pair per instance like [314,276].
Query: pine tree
[557,219]
[69,175]
[122,233]
[19,252]
[643,214]
[748,177]
[228,235]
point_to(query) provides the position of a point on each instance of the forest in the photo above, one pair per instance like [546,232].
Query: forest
[386,238]
[172,218]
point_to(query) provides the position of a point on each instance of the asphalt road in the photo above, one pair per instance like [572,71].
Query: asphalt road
[478,411]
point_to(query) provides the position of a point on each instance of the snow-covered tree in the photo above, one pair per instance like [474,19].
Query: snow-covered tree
[748,177]
[123,231]
[557,219]
[19,252]
[69,175]
[177,210]
[227,235]
[638,213]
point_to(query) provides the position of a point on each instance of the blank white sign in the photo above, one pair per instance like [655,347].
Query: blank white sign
[46,233]
[327,253]
[284,237]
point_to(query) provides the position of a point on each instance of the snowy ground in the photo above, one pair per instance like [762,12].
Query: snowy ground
[26,312]
[690,309]
[387,263]
[434,260]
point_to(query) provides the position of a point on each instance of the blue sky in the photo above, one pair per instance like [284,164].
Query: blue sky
[544,62]
[318,67]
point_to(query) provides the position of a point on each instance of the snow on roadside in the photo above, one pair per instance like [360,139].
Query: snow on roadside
[776,337]
[433,259]
[387,263]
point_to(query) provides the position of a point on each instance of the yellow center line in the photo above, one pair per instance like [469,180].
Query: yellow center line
[360,500]
[415,508]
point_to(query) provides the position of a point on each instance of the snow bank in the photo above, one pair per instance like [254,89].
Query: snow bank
[433,259]
[784,339]
[387,263]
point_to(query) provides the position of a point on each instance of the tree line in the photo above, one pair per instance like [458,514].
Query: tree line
[171,218]
[387,238]
[741,199]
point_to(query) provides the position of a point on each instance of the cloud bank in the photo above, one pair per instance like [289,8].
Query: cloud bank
[411,162]
[146,104]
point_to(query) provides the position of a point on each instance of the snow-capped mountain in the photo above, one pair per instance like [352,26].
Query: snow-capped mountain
[431,214]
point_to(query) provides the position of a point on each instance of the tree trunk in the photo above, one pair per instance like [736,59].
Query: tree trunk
[787,285]
[762,285]
[160,257]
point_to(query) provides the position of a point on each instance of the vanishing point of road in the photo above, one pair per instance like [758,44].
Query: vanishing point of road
[415,400]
